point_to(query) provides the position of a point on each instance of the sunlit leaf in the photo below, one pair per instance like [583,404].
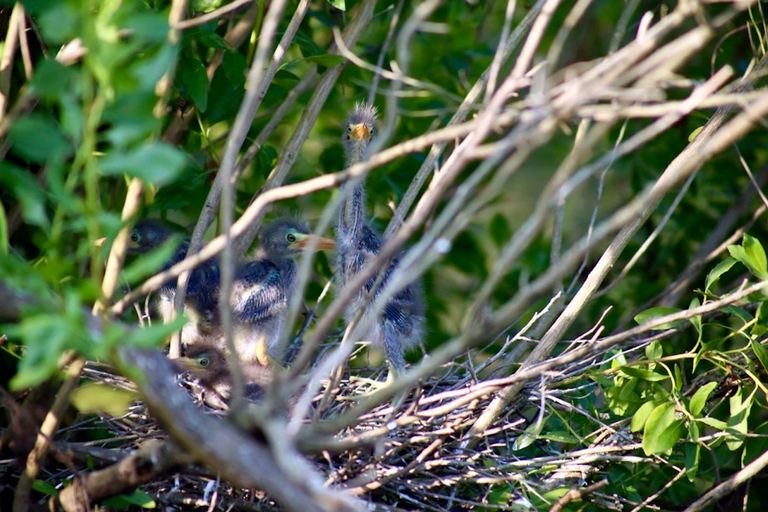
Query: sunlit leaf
[694,133]
[657,437]
[96,398]
[720,269]
[752,255]
[640,373]
[653,313]
[699,399]
[640,417]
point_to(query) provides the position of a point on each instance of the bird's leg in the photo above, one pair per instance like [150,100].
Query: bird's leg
[264,357]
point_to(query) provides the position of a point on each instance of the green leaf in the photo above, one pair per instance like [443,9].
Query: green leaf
[761,352]
[97,398]
[307,46]
[656,438]
[154,335]
[195,79]
[37,138]
[699,399]
[529,435]
[560,437]
[125,501]
[150,69]
[654,351]
[653,313]
[642,374]
[640,417]
[235,68]
[328,60]
[44,488]
[720,269]
[752,255]
[500,231]
[156,163]
[52,79]
[694,133]
[742,313]
[696,320]
[691,451]
[27,191]
[339,4]
[714,423]
[59,23]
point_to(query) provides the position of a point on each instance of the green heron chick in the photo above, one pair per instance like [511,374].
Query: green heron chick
[201,299]
[262,288]
[400,325]
[206,364]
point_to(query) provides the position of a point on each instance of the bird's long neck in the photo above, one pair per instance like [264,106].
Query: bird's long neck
[352,212]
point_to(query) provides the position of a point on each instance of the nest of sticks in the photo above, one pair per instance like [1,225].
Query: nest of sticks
[413,456]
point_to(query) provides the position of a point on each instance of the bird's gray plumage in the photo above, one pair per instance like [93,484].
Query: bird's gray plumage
[400,325]
[263,286]
[201,299]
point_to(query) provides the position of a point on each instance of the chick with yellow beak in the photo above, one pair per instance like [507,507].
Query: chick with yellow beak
[262,288]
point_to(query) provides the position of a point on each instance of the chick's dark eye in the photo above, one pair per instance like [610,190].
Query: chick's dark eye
[349,129]
[135,237]
[203,362]
[290,237]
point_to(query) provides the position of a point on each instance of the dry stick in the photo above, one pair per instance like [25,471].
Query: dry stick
[47,430]
[210,16]
[6,61]
[291,152]
[731,484]
[150,461]
[26,57]
[428,167]
[119,246]
[577,494]
[687,163]
[227,208]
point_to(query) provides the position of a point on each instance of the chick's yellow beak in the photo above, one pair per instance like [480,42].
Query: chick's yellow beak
[187,364]
[322,243]
[360,132]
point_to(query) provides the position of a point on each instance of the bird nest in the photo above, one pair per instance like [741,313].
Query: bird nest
[413,455]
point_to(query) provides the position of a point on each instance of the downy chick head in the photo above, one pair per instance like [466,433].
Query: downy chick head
[361,126]
[288,237]
[149,234]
